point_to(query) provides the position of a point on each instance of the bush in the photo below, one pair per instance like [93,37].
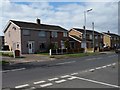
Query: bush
[9,54]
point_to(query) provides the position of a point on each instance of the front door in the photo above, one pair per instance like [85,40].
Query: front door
[31,47]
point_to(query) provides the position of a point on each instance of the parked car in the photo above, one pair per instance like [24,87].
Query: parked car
[117,50]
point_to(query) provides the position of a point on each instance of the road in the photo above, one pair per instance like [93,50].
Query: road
[100,71]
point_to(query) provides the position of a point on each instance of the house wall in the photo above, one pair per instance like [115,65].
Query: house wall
[1,41]
[13,37]
[37,40]
[107,40]
[34,36]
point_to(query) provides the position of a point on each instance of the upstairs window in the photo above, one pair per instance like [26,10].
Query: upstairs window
[54,34]
[26,32]
[91,37]
[96,37]
[65,34]
[42,34]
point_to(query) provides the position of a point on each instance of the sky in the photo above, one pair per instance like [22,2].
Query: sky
[69,14]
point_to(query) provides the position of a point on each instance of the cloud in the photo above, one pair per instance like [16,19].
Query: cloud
[67,15]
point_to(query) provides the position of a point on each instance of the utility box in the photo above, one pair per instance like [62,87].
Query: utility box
[17,53]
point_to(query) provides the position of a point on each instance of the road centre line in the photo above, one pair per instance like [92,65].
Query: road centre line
[45,85]
[60,81]
[109,65]
[53,79]
[13,70]
[91,70]
[98,68]
[22,86]
[98,82]
[39,82]
[66,63]
[71,78]
[65,76]
[104,66]
[74,73]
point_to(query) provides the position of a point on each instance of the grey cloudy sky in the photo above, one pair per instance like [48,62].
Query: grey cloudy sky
[67,14]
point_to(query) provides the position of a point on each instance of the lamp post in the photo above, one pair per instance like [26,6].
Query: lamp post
[93,36]
[85,14]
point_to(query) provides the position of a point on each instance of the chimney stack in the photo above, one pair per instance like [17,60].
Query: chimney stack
[38,21]
[108,31]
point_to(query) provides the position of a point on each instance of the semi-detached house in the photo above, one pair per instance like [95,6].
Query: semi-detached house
[31,37]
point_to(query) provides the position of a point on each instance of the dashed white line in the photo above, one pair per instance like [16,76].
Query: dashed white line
[46,85]
[65,76]
[60,81]
[65,63]
[109,65]
[39,82]
[22,86]
[53,79]
[98,82]
[114,64]
[71,78]
[91,70]
[98,68]
[104,66]
[13,70]
[74,74]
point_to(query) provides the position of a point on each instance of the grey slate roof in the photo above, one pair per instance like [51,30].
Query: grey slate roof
[32,25]
[87,31]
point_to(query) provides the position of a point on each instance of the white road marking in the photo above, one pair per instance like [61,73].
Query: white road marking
[22,86]
[65,76]
[13,70]
[109,65]
[39,82]
[46,85]
[98,82]
[65,63]
[60,81]
[71,78]
[98,68]
[114,64]
[104,66]
[91,70]
[74,73]
[53,79]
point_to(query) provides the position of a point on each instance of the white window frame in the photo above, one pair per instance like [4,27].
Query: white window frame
[65,34]
[42,34]
[91,36]
[54,34]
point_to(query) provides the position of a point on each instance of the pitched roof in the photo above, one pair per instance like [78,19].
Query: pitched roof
[87,31]
[112,34]
[32,25]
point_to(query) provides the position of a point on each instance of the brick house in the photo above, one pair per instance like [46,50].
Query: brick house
[31,37]
[78,34]
[111,40]
[1,41]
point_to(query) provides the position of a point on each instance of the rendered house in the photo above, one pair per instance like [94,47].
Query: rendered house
[78,34]
[111,40]
[31,37]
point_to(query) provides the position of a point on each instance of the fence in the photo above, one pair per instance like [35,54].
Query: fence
[65,51]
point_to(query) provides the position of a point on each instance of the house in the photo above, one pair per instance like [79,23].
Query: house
[111,40]
[1,41]
[96,43]
[29,37]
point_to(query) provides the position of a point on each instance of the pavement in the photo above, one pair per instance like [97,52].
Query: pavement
[35,58]
[99,71]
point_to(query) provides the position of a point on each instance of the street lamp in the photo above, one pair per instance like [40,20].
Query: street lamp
[93,37]
[85,14]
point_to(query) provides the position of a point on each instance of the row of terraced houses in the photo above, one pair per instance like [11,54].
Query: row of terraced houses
[36,37]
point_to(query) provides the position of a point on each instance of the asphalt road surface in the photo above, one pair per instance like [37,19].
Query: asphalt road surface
[100,71]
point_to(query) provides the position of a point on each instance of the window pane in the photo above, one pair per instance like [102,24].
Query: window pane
[42,33]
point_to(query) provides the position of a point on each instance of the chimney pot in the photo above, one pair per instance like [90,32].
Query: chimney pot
[38,21]
[108,31]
